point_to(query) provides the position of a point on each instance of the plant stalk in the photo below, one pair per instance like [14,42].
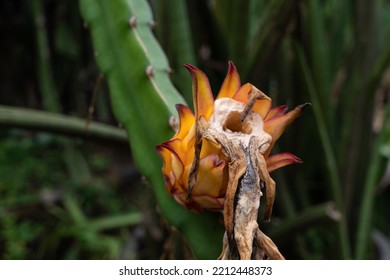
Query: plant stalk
[52,122]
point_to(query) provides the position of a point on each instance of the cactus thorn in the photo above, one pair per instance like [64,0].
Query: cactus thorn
[152,24]
[149,71]
[170,70]
[173,123]
[133,21]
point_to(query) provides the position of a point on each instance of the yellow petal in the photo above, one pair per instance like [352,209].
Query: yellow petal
[179,148]
[261,106]
[280,160]
[276,126]
[231,83]
[172,165]
[210,147]
[201,92]
[211,177]
[186,132]
[186,121]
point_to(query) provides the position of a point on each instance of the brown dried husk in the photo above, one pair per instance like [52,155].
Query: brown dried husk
[247,174]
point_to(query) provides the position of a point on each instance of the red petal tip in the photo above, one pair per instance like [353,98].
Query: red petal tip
[180,107]
[293,158]
[298,160]
[231,66]
[189,67]
[158,148]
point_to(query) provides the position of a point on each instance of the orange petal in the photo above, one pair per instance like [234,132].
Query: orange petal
[181,198]
[209,203]
[186,121]
[209,147]
[181,148]
[280,160]
[231,83]
[186,132]
[276,126]
[173,145]
[201,92]
[210,177]
[197,204]
[261,106]
[172,165]
[276,112]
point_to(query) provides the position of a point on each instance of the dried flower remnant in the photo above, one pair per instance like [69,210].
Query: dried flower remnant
[219,159]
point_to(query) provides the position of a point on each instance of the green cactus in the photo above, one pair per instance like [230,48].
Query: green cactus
[143,100]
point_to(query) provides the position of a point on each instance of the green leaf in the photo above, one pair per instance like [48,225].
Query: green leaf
[330,158]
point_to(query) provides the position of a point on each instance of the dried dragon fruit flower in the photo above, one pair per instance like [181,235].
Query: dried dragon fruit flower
[232,115]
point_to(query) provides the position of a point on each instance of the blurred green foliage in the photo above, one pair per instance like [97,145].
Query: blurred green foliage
[62,205]
[78,198]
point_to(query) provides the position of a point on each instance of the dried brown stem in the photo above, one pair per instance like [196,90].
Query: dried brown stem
[247,170]
[268,246]
[254,95]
